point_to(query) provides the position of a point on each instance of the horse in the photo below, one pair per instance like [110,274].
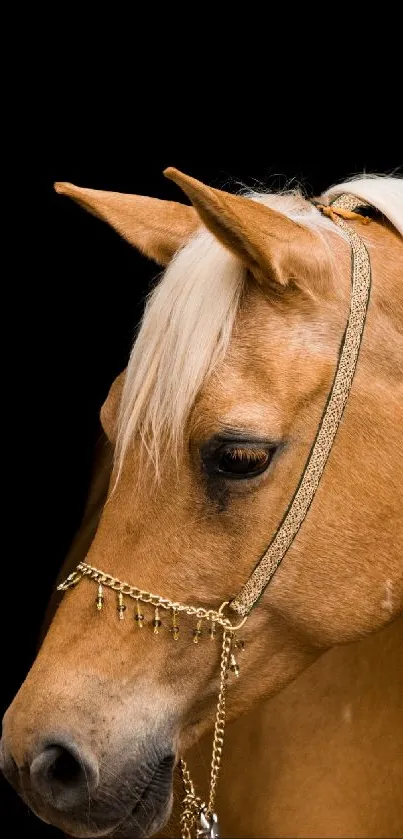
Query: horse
[210,429]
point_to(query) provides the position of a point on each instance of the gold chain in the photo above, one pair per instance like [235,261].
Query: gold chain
[192,805]
[85,570]
[220,717]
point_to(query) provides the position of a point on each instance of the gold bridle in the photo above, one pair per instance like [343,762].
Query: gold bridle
[196,814]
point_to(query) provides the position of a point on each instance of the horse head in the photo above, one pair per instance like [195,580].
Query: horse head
[212,424]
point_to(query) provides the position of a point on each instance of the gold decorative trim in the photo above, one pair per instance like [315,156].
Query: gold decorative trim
[214,616]
[331,418]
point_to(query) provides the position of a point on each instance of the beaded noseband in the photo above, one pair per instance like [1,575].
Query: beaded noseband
[198,817]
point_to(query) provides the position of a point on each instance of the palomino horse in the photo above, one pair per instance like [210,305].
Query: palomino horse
[213,425]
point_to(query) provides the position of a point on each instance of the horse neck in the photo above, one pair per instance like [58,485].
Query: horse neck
[336,729]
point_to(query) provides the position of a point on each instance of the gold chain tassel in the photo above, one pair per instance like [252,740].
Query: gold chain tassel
[100,598]
[121,606]
[213,631]
[198,631]
[234,666]
[139,617]
[175,627]
[157,622]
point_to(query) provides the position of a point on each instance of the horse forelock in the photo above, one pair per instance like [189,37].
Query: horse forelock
[189,317]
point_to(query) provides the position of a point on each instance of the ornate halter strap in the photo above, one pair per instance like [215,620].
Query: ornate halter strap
[196,814]
[332,414]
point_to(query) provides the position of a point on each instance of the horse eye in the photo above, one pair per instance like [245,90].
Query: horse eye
[234,461]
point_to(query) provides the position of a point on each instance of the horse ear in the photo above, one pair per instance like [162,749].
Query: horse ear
[269,244]
[157,228]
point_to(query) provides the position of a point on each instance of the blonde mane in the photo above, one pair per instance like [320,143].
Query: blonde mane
[189,317]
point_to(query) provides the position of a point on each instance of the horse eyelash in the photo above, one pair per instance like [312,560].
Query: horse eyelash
[246,454]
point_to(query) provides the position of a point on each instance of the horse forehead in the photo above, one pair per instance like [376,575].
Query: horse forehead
[261,383]
[271,352]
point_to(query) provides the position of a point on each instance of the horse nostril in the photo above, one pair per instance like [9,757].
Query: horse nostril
[65,769]
[63,775]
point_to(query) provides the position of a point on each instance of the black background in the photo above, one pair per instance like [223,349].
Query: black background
[75,292]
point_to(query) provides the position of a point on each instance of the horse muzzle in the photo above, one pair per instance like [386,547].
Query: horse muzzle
[66,785]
